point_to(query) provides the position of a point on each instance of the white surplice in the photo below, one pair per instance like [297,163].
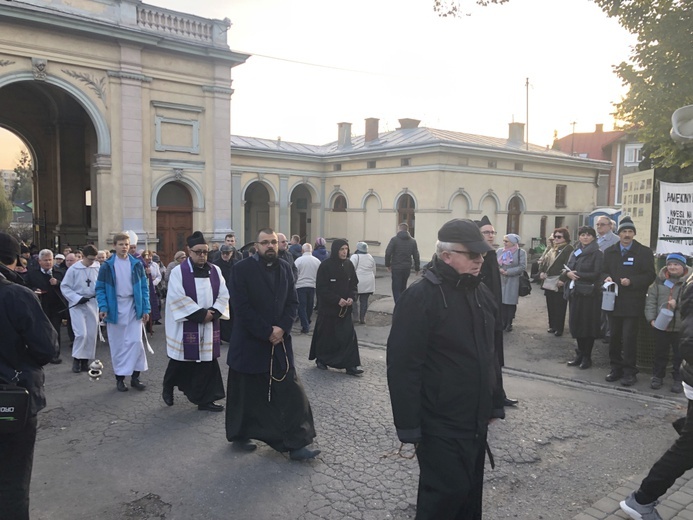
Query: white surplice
[179,306]
[80,282]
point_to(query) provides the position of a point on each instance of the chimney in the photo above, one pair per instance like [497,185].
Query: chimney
[516,133]
[371,129]
[408,123]
[343,134]
[599,128]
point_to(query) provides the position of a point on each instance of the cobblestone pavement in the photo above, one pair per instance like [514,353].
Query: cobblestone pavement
[572,449]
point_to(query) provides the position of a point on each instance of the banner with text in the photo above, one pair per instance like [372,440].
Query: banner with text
[675,218]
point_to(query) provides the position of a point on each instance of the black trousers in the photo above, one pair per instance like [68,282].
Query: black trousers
[360,307]
[623,344]
[451,478]
[56,320]
[556,306]
[664,342]
[507,314]
[399,282]
[675,462]
[17,456]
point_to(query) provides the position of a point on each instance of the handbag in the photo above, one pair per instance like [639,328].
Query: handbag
[584,289]
[550,283]
[14,407]
[525,284]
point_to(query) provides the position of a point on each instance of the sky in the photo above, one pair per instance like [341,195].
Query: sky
[316,63]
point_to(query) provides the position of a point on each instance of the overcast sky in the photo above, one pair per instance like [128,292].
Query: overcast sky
[319,62]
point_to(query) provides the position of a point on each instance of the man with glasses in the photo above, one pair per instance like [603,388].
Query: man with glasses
[122,292]
[441,371]
[226,262]
[266,400]
[79,289]
[284,253]
[196,302]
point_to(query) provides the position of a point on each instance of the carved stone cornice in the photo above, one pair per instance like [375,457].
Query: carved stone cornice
[129,75]
[217,90]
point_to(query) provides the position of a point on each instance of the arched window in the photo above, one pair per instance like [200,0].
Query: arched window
[340,204]
[406,212]
[514,210]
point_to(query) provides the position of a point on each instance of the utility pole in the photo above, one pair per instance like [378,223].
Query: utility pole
[527,113]
[572,141]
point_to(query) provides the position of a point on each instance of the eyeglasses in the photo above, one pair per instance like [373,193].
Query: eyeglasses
[600,224]
[489,233]
[557,236]
[265,243]
[472,256]
[200,252]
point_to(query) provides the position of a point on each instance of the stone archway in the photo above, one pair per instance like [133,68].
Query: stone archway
[173,219]
[257,210]
[301,218]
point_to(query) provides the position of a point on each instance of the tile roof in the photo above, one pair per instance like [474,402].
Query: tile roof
[593,144]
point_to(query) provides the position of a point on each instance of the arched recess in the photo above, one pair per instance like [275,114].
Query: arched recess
[460,203]
[257,215]
[303,206]
[198,198]
[515,207]
[368,195]
[174,205]
[98,119]
[334,195]
[271,190]
[405,206]
[490,195]
[371,217]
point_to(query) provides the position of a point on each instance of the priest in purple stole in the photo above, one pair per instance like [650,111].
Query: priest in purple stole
[197,299]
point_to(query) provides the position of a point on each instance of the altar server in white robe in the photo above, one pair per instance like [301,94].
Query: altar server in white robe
[79,289]
[197,299]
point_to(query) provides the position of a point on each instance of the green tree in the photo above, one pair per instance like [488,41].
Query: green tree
[23,189]
[5,210]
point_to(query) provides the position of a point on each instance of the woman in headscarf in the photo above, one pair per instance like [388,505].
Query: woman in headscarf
[334,341]
[550,271]
[365,272]
[511,262]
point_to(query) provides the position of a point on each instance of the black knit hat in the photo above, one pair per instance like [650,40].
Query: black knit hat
[9,245]
[464,231]
[196,238]
[626,223]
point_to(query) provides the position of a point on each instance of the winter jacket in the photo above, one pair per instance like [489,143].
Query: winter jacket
[638,266]
[585,309]
[400,252]
[365,271]
[555,259]
[659,294]
[321,253]
[686,333]
[510,282]
[106,290]
[29,341]
[441,364]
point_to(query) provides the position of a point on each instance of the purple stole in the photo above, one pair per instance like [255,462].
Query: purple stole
[191,330]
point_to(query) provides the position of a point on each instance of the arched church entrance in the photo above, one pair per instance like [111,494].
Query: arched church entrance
[257,210]
[301,207]
[173,220]
[63,143]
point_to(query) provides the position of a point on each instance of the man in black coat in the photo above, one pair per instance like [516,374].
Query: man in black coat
[225,262]
[490,276]
[29,342]
[45,282]
[399,254]
[441,372]
[265,399]
[630,265]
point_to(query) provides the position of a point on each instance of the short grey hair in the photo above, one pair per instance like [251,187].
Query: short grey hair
[45,253]
[443,246]
[307,248]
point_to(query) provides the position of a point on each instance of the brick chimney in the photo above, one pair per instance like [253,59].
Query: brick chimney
[371,129]
[408,123]
[516,133]
[343,134]
[599,128]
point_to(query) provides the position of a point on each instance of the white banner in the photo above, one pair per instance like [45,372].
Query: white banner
[675,218]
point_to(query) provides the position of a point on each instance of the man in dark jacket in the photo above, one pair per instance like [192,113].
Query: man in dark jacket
[679,457]
[441,371]
[399,254]
[265,399]
[630,265]
[45,282]
[284,253]
[226,262]
[29,342]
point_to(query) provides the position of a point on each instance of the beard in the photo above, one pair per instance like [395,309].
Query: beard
[269,255]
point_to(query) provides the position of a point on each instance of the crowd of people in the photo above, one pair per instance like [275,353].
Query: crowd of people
[444,352]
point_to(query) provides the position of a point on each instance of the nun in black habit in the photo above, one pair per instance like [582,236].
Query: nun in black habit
[334,341]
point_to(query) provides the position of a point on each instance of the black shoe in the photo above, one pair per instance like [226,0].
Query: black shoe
[211,407]
[509,328]
[120,386]
[629,380]
[167,396]
[550,330]
[84,365]
[55,361]
[303,454]
[586,363]
[510,402]
[135,383]
[320,365]
[362,322]
[354,371]
[558,333]
[76,366]
[613,376]
[244,445]
[157,322]
[606,341]
[577,361]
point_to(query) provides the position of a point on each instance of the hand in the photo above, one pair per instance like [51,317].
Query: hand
[342,302]
[608,279]
[652,323]
[572,275]
[145,318]
[83,300]
[625,282]
[560,283]
[503,272]
[349,302]
[542,276]
[209,317]
[102,315]
[53,281]
[672,304]
[277,335]
[418,273]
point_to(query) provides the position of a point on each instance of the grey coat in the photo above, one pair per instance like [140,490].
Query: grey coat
[510,282]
